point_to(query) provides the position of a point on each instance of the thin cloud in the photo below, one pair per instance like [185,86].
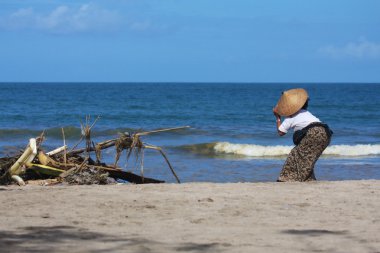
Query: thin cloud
[64,20]
[362,49]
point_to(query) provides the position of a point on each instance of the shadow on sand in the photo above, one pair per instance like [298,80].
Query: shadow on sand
[73,239]
[314,232]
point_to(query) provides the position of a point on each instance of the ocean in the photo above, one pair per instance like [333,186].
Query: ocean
[232,135]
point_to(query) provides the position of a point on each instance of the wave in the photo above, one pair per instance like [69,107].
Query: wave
[259,151]
[4,133]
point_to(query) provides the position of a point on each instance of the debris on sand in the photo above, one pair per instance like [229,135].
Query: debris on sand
[76,165]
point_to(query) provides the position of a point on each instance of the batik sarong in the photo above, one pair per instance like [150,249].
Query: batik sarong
[299,166]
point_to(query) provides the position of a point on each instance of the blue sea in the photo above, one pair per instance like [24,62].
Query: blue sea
[232,135]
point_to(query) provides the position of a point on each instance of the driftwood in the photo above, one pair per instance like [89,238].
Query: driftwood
[18,180]
[130,177]
[62,163]
[101,145]
[128,142]
[27,157]
[57,150]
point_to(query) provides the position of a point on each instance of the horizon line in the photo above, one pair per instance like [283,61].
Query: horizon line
[174,82]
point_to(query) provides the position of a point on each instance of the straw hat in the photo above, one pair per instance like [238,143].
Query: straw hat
[291,101]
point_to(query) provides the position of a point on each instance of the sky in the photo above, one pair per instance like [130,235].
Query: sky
[189,41]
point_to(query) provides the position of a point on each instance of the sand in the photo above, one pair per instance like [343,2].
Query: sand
[339,216]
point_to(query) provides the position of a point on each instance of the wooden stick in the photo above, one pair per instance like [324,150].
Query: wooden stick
[64,144]
[161,130]
[128,176]
[103,145]
[56,151]
[82,164]
[112,142]
[28,156]
[166,159]
[93,124]
[19,180]
[80,140]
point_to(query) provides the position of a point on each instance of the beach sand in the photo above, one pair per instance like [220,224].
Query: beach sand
[341,216]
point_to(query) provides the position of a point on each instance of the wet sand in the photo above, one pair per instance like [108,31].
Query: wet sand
[339,216]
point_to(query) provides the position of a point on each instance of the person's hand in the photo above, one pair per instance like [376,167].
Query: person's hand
[276,114]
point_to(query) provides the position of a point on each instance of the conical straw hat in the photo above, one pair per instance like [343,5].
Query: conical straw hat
[291,101]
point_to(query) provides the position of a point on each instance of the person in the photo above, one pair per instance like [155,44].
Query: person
[311,136]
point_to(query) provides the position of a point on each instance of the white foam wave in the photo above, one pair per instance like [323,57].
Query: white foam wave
[251,150]
[354,150]
[268,151]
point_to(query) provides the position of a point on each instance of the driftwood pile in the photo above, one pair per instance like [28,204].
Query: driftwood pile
[75,165]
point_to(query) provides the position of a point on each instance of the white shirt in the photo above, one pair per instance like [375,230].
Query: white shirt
[298,121]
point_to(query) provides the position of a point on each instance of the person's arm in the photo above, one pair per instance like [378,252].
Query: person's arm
[278,122]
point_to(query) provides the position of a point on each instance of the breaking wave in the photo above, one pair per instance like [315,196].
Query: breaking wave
[251,150]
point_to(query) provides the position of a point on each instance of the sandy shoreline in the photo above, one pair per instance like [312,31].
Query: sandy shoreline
[340,216]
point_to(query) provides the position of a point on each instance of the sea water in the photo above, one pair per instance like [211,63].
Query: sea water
[232,135]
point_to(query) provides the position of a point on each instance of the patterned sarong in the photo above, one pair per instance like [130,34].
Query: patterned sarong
[299,166]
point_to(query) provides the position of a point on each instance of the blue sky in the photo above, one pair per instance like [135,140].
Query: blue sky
[190,41]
